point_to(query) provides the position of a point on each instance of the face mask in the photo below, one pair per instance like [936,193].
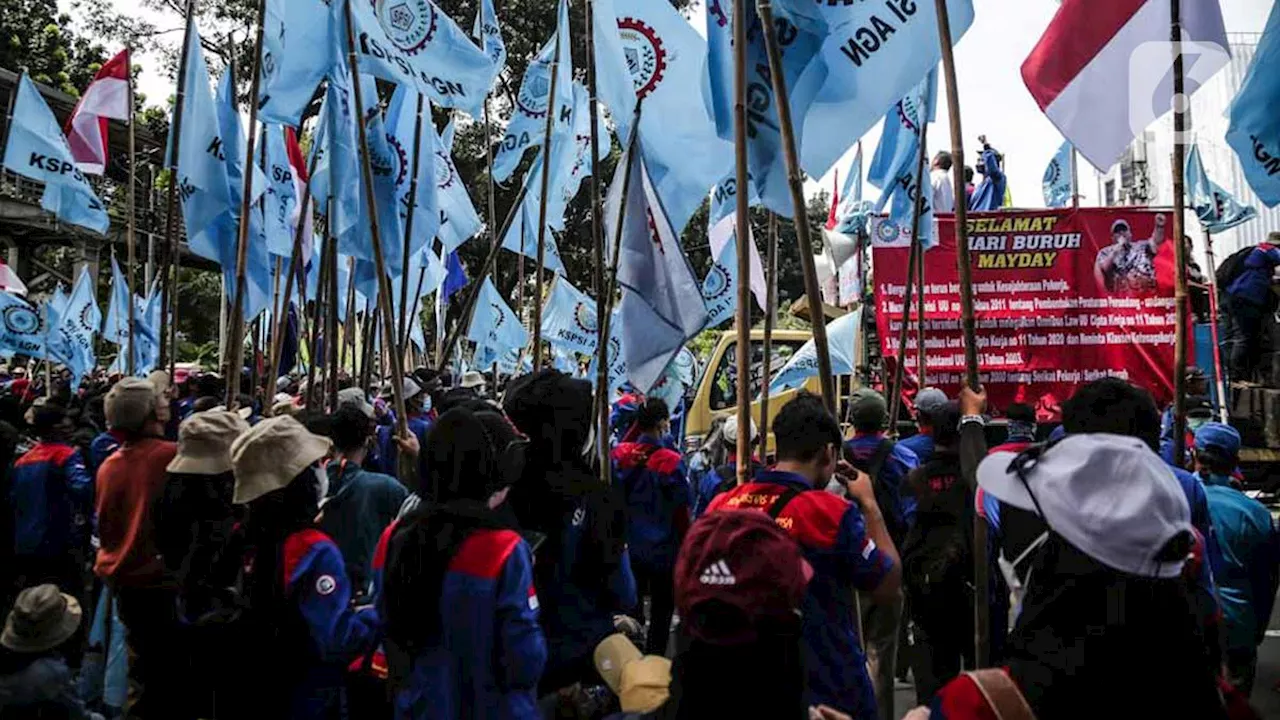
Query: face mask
[1018,588]
[1195,424]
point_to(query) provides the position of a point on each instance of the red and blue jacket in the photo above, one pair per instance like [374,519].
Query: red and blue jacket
[491,652]
[659,501]
[833,536]
[50,498]
[1253,284]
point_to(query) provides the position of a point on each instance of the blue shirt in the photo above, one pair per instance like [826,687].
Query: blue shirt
[833,536]
[1253,284]
[1247,543]
[386,457]
[921,444]
[990,192]
[900,511]
[652,478]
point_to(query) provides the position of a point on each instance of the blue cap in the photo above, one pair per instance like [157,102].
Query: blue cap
[1220,436]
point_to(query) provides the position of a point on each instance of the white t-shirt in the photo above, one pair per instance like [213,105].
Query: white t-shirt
[944,196]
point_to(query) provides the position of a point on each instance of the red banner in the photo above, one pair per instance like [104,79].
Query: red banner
[1061,298]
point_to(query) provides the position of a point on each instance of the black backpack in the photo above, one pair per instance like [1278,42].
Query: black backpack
[1231,267]
[885,496]
[937,552]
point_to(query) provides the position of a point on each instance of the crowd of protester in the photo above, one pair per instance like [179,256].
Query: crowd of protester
[164,557]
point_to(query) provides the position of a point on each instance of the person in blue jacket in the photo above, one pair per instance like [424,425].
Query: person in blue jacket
[928,401]
[386,459]
[1248,543]
[49,501]
[583,568]
[989,194]
[868,445]
[456,588]
[715,480]
[659,507]
[301,633]
[1248,298]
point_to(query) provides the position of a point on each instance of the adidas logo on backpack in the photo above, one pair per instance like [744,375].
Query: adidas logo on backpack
[718,573]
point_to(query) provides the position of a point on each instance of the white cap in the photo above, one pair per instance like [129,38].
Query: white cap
[1110,496]
[730,430]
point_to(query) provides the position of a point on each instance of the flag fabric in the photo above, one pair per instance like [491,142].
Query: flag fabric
[298,169]
[58,301]
[893,167]
[10,282]
[418,44]
[617,360]
[720,286]
[455,277]
[662,306]
[1216,208]
[37,149]
[529,116]
[337,182]
[23,329]
[146,320]
[106,98]
[1057,178]
[842,337]
[842,72]
[1254,128]
[280,206]
[298,45]
[569,319]
[459,221]
[402,122]
[486,30]
[80,319]
[647,52]
[1102,72]
[494,324]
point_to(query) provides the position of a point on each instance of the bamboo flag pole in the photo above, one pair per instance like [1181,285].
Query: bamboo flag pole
[295,268]
[542,209]
[236,340]
[597,252]
[379,259]
[169,285]
[402,334]
[770,319]
[742,319]
[1075,179]
[918,234]
[321,285]
[817,313]
[352,323]
[981,567]
[331,334]
[1179,247]
[130,240]
[1220,382]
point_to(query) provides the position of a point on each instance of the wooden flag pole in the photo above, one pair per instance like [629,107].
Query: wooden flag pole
[1180,103]
[413,306]
[817,314]
[770,319]
[403,333]
[597,252]
[1075,179]
[331,333]
[922,373]
[1220,381]
[742,221]
[352,323]
[280,320]
[236,340]
[981,567]
[169,285]
[379,259]
[317,308]
[130,241]
[542,209]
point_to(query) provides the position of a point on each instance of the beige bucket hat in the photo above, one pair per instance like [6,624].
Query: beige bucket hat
[204,442]
[271,454]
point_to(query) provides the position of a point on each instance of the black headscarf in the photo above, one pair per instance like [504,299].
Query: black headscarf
[468,457]
[272,518]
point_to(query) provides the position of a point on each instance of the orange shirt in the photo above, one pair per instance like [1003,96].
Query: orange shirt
[129,483]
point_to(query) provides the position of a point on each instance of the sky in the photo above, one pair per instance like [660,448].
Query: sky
[993,99]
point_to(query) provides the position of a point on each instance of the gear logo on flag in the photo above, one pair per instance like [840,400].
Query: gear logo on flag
[532,98]
[410,24]
[21,320]
[888,231]
[909,113]
[1053,174]
[646,57]
[585,318]
[444,170]
[401,157]
[717,282]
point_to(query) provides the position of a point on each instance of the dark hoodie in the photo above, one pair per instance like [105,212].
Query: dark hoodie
[582,571]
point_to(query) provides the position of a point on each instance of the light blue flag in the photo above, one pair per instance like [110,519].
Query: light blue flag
[647,52]
[529,116]
[1216,208]
[569,319]
[416,43]
[280,206]
[338,185]
[58,301]
[23,329]
[495,324]
[459,221]
[617,359]
[386,164]
[80,319]
[522,235]
[852,212]
[147,325]
[893,167]
[1057,178]
[257,264]
[1254,129]
[402,122]
[842,335]
[297,52]
[115,328]
[37,149]
[662,306]
[486,30]
[720,287]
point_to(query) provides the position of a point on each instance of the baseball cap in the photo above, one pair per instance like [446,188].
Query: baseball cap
[1118,224]
[730,430]
[869,408]
[1218,435]
[930,400]
[129,404]
[1110,496]
[1199,406]
[738,561]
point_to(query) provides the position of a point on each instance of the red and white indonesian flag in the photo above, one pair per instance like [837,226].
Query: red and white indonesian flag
[106,98]
[10,282]
[1103,71]
[298,168]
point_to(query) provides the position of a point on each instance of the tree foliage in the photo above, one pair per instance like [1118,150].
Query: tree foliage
[35,36]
